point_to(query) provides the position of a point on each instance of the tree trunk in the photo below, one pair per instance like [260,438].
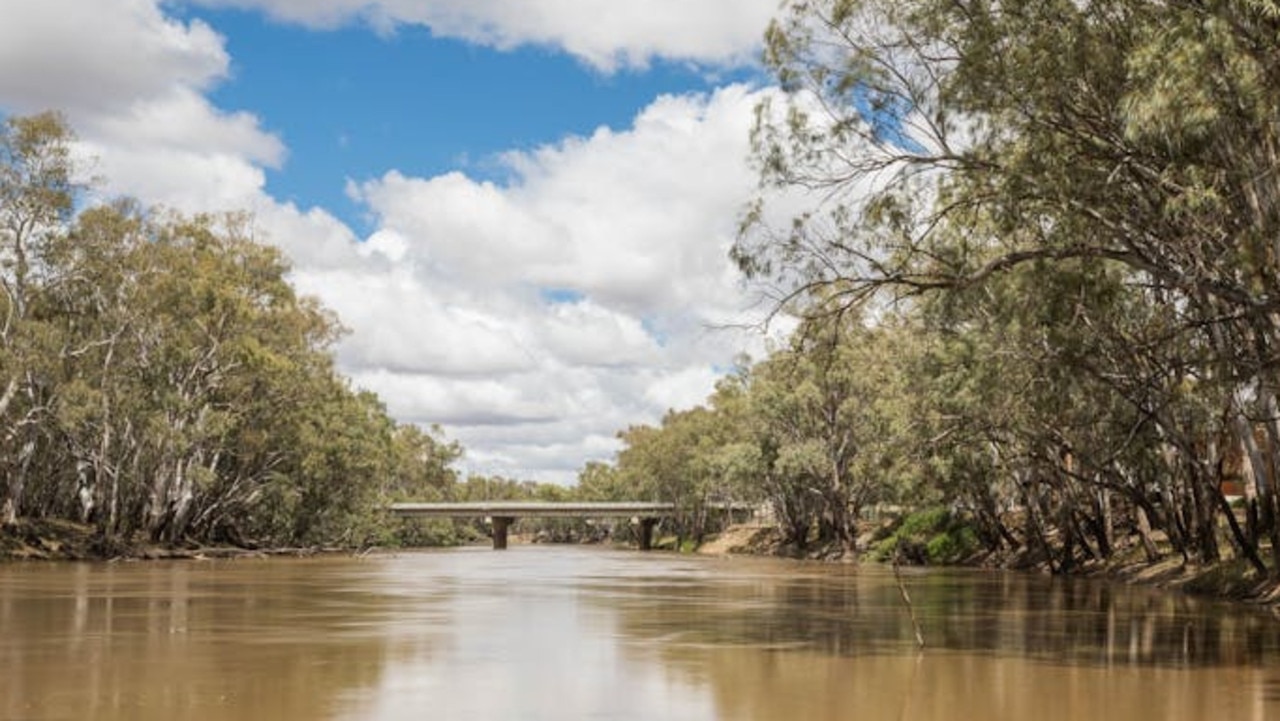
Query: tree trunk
[1268,498]
[1144,534]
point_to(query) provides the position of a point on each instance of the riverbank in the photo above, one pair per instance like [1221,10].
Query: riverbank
[1229,580]
[1232,580]
[56,540]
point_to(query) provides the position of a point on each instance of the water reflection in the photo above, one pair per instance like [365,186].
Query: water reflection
[850,611]
[566,633]
[959,686]
[165,641]
[523,640]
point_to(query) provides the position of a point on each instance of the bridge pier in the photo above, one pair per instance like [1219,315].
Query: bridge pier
[500,526]
[646,533]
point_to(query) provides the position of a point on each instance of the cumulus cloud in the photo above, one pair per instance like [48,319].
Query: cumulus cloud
[604,33]
[536,318]
[132,82]
[639,219]
[532,318]
[100,57]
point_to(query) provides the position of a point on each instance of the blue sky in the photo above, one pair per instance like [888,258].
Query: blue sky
[351,103]
[521,211]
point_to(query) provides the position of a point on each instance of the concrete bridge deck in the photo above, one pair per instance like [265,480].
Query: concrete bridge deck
[503,513]
[534,509]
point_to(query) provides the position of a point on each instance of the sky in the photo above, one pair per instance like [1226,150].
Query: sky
[520,210]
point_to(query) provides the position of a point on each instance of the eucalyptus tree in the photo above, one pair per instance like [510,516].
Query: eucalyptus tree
[946,143]
[1061,392]
[599,481]
[668,463]
[160,376]
[37,189]
[829,417]
[695,458]
[424,460]
[94,430]
[187,367]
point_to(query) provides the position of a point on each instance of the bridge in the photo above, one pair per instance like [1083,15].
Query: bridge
[503,513]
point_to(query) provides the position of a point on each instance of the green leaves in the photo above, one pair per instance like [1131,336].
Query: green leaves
[1077,215]
[161,376]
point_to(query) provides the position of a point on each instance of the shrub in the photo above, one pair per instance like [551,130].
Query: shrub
[929,536]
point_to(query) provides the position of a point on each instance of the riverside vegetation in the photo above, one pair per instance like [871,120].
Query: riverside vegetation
[1035,272]
[161,381]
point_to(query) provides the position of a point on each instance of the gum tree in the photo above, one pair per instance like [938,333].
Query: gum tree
[943,145]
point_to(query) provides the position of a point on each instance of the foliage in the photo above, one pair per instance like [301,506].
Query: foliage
[159,376]
[1035,276]
[930,536]
[696,459]
[1078,199]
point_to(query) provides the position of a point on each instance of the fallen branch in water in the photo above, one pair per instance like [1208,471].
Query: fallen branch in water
[906,599]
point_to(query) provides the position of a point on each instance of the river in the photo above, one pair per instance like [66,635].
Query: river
[568,633]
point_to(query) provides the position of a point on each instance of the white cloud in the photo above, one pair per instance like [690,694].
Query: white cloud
[604,33]
[581,297]
[683,389]
[181,119]
[401,324]
[131,81]
[535,318]
[640,219]
[587,334]
[100,56]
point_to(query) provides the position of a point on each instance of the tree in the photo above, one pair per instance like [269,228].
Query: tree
[830,424]
[958,143]
[160,376]
[36,195]
[598,481]
[696,459]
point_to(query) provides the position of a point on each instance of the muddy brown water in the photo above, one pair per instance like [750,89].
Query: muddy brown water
[564,633]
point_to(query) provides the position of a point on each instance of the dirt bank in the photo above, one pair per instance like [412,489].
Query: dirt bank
[52,540]
[753,540]
[765,540]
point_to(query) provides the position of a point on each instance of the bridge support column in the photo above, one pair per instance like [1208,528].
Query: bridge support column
[500,526]
[646,533]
